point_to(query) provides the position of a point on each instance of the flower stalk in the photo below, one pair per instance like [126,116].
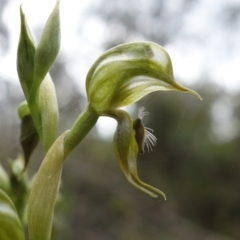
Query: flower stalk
[83,124]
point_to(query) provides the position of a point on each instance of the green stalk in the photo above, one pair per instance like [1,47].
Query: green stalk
[33,106]
[84,123]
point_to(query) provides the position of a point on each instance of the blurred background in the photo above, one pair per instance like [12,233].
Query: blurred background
[196,161]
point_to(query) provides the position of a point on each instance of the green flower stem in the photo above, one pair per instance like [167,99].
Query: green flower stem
[84,123]
[33,106]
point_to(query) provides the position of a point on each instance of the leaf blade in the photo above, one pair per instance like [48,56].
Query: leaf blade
[11,227]
[44,192]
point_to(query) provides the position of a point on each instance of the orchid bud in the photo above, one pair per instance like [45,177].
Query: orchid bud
[33,65]
[25,56]
[47,49]
[23,110]
[48,109]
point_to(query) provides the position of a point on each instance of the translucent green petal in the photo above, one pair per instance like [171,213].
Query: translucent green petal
[138,87]
[132,163]
[128,72]
[126,150]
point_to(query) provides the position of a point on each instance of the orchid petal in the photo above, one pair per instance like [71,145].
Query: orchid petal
[126,150]
[128,72]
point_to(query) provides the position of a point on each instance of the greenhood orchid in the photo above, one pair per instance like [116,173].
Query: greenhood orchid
[122,76]
[119,77]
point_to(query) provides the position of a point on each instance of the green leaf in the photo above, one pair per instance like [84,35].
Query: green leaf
[19,186]
[47,49]
[128,72]
[10,225]
[44,192]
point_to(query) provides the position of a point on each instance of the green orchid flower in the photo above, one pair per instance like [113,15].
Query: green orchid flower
[119,77]
[122,76]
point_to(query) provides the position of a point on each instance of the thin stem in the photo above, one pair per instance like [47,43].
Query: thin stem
[84,123]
